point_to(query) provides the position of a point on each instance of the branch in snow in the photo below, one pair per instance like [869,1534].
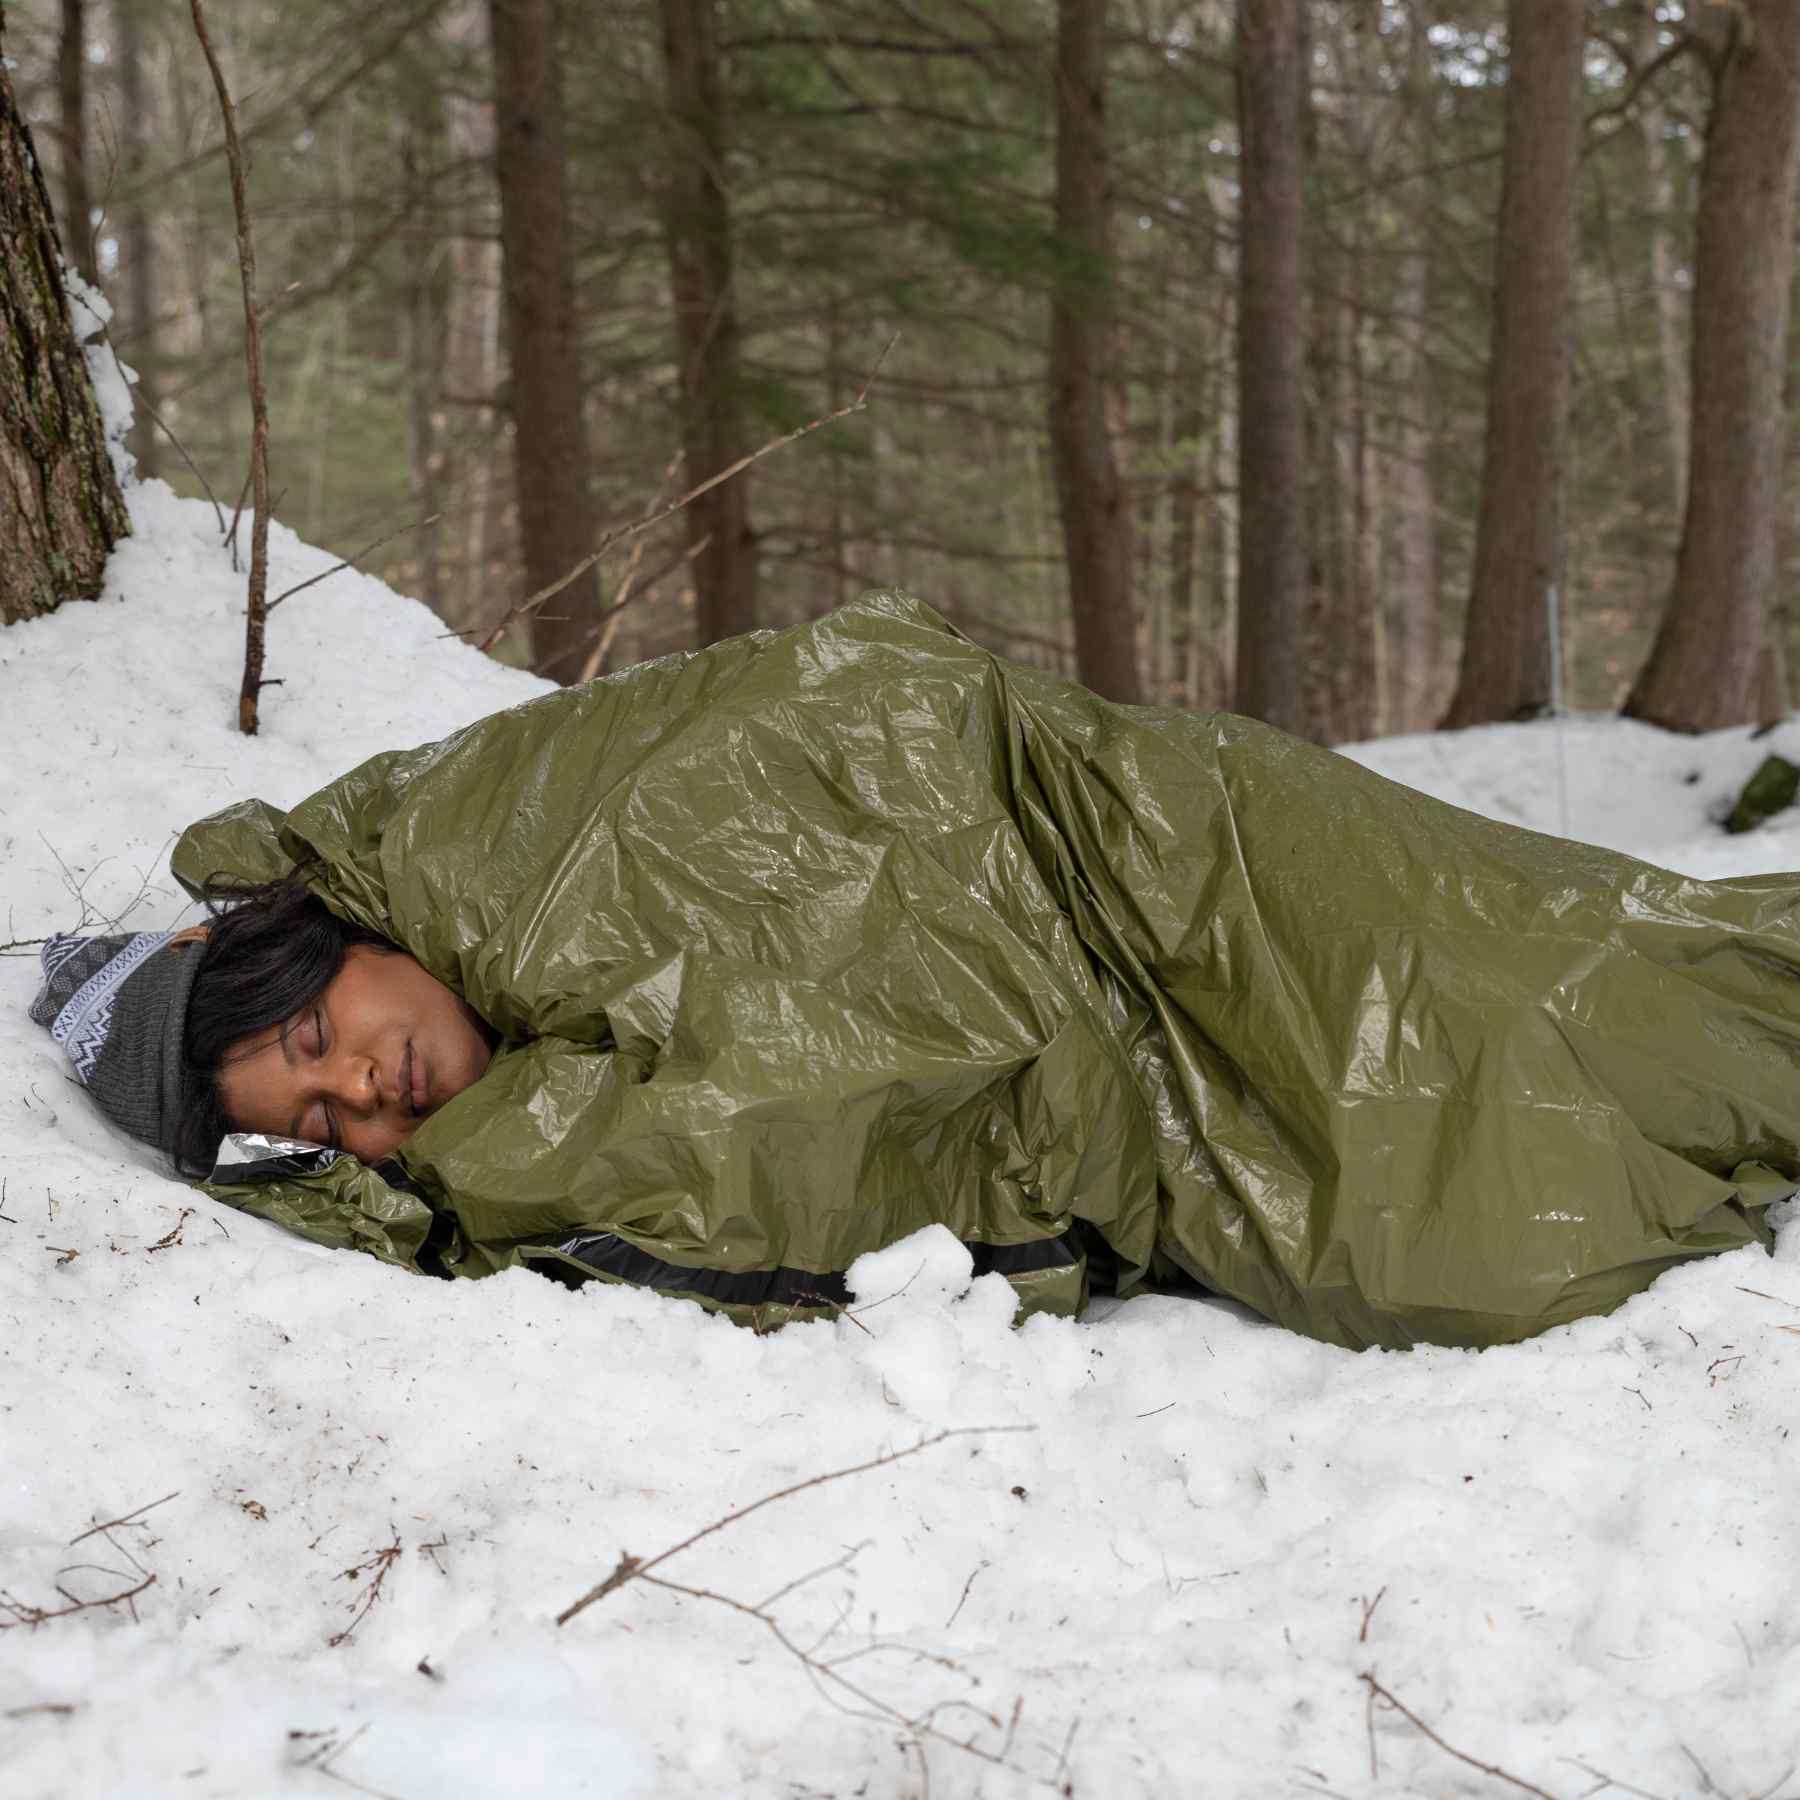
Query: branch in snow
[373,1569]
[23,1613]
[1378,1692]
[827,1673]
[630,1568]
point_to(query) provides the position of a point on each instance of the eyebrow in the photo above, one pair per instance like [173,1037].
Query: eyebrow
[286,1041]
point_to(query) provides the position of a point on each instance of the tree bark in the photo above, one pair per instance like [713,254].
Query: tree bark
[71,86]
[1096,525]
[550,455]
[1417,663]
[697,225]
[424,329]
[1702,673]
[136,249]
[1652,124]
[1519,535]
[60,507]
[1413,485]
[1272,534]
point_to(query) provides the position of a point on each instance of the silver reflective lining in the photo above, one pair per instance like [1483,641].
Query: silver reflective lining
[246,1153]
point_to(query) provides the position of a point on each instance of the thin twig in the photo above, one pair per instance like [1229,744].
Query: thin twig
[34,1616]
[252,684]
[609,628]
[130,1518]
[237,512]
[380,1562]
[1777,1298]
[618,534]
[965,1594]
[1611,1781]
[350,562]
[826,1676]
[140,402]
[1377,1691]
[1369,1606]
[630,1567]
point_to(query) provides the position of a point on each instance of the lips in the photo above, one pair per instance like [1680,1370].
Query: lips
[418,1082]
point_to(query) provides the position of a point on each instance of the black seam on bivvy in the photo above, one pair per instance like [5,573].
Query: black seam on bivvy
[1025,1259]
[607,1254]
[610,1255]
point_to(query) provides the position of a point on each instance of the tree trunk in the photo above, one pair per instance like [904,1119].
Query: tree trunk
[423,327]
[697,223]
[1519,535]
[1096,524]
[1652,124]
[71,84]
[550,458]
[136,249]
[1191,434]
[1413,485]
[1702,673]
[1419,657]
[1272,535]
[60,507]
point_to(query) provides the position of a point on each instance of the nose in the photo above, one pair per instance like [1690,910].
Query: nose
[355,1083]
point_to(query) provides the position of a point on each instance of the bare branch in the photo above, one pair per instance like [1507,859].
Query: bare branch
[255,609]
[1378,1692]
[351,562]
[25,1614]
[618,534]
[137,1512]
[629,1567]
[374,1570]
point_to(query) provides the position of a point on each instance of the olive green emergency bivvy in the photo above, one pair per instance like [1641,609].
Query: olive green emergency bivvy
[815,937]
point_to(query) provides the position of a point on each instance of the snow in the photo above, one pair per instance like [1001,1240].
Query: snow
[90,312]
[1159,1559]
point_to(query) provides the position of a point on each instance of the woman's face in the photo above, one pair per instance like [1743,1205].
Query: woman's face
[383,1047]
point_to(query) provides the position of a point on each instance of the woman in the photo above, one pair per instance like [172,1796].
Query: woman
[717,973]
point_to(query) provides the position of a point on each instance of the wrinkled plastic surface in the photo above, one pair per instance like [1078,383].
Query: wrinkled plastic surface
[814,938]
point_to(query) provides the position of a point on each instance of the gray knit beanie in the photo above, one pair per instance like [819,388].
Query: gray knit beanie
[117,1006]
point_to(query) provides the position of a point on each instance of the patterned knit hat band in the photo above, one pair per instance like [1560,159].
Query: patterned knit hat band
[118,1006]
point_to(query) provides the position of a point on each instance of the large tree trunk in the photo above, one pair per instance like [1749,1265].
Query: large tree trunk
[1413,486]
[135,239]
[1653,122]
[697,221]
[71,87]
[424,329]
[1096,524]
[1519,536]
[1417,664]
[60,507]
[550,458]
[1272,536]
[1703,674]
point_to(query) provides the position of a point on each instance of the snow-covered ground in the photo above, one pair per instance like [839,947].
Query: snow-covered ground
[1162,1561]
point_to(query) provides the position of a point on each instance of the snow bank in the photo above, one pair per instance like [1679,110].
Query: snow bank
[1160,1559]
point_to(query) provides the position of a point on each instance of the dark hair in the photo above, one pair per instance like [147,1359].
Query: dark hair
[270,952]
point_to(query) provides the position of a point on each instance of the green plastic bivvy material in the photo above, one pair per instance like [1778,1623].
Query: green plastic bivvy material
[805,941]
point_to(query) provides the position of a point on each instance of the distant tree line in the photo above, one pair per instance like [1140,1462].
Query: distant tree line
[1361,364]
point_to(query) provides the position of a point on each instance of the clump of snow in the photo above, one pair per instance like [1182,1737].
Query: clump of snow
[90,312]
[1165,1549]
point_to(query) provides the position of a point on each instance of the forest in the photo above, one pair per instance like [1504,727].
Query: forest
[1362,365]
